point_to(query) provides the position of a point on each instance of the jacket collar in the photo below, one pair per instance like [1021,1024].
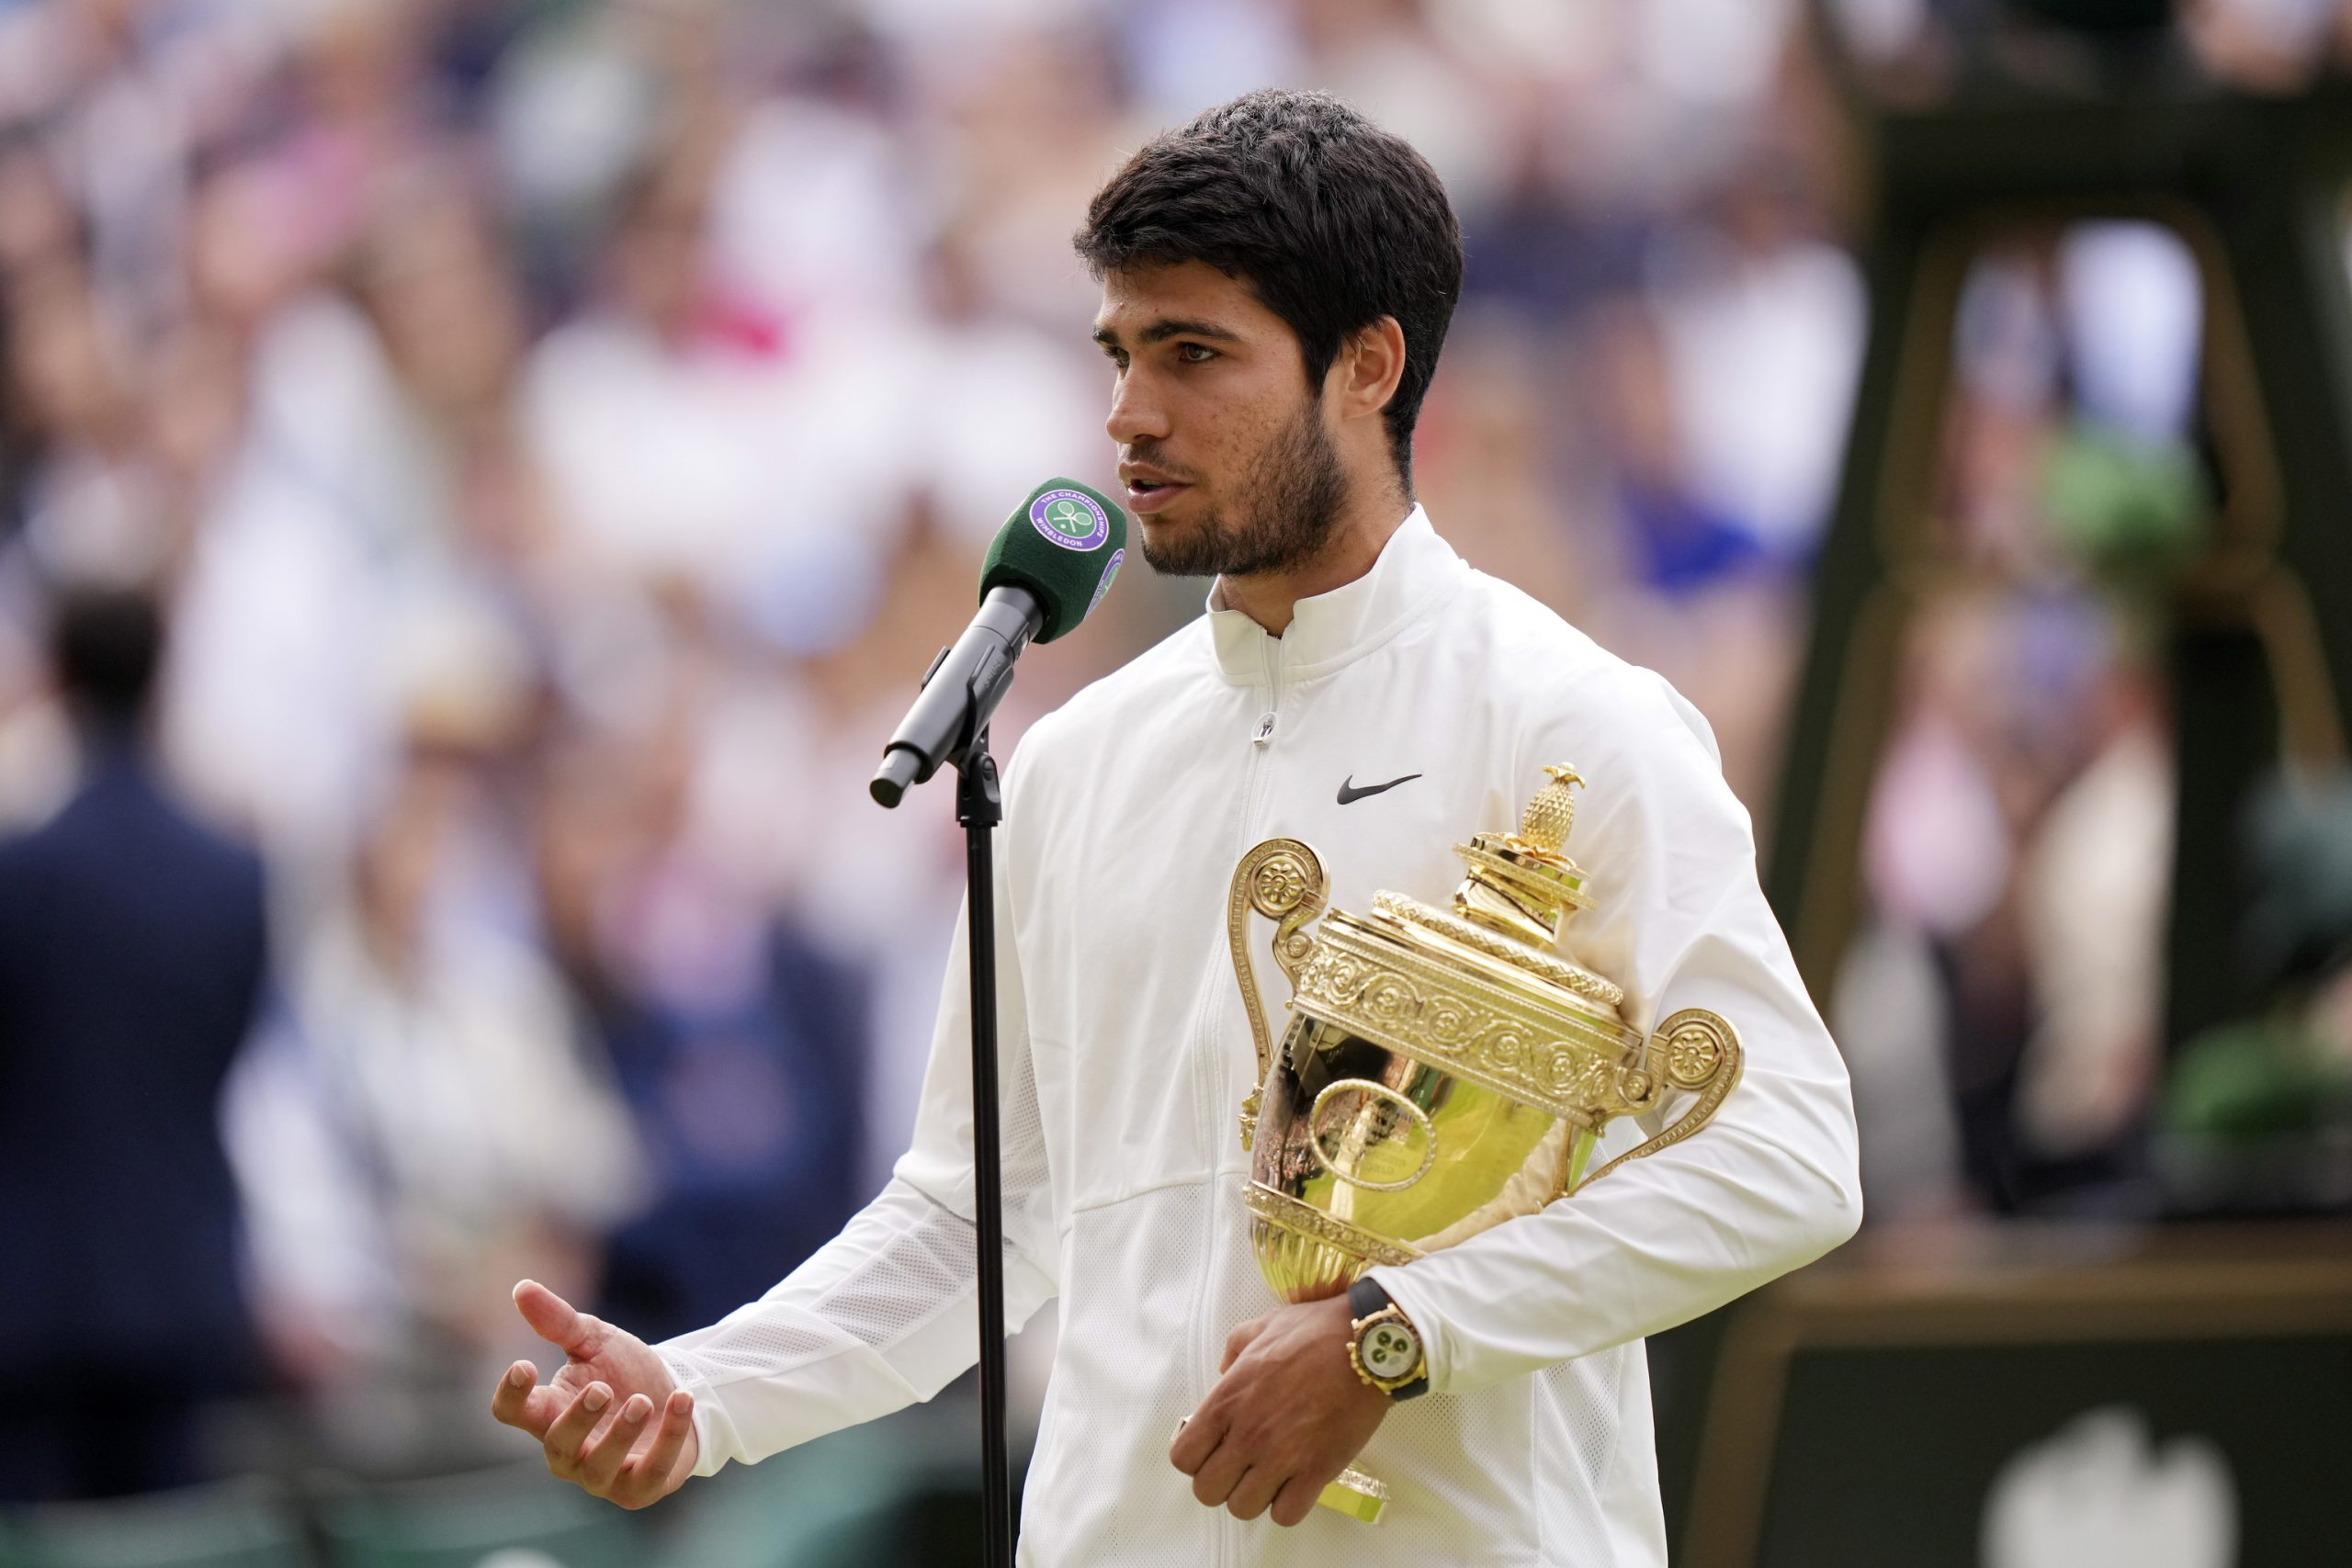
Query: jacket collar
[1416,572]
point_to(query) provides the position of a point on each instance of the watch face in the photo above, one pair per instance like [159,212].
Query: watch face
[1389,1350]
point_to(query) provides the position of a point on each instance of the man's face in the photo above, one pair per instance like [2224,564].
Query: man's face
[1222,445]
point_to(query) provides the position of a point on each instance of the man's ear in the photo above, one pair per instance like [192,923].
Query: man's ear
[1370,364]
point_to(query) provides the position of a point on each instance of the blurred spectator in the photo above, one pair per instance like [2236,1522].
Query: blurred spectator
[132,955]
[1707,603]
[431,1119]
[740,1045]
[694,428]
[2016,853]
[90,499]
[2092,908]
[1762,322]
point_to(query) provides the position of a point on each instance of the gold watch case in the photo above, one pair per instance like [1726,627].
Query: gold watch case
[1382,1337]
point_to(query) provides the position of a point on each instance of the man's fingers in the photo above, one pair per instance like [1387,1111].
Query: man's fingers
[602,1460]
[647,1478]
[613,1447]
[513,1393]
[1295,1500]
[1254,1490]
[519,1401]
[1214,1481]
[557,1321]
[1196,1438]
[569,1432]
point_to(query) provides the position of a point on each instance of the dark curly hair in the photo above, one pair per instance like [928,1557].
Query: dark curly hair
[1332,222]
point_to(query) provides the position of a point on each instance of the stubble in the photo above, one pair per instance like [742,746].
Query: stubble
[1283,516]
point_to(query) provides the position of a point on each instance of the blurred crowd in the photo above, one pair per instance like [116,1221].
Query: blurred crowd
[558,433]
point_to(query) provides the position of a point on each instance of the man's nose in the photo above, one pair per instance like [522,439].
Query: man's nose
[1136,414]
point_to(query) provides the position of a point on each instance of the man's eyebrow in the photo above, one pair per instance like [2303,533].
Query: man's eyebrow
[1171,326]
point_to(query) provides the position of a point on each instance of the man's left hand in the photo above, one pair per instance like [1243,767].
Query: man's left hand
[1287,1415]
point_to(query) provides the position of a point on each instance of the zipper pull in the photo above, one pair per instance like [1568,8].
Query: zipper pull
[1265,731]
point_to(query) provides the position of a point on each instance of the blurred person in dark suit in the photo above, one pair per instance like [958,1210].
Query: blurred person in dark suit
[133,957]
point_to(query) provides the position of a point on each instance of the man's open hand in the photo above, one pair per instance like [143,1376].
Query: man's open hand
[593,1418]
[1285,1418]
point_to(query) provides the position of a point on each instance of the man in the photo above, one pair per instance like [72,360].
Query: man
[1277,277]
[132,955]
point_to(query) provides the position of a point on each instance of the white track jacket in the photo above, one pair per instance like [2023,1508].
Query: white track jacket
[1126,1054]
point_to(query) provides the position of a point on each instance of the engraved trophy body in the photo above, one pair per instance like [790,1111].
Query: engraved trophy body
[1444,1070]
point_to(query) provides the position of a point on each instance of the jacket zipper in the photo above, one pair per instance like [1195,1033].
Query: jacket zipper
[1222,1211]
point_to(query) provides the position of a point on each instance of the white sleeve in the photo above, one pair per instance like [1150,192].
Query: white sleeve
[883,1315]
[1768,1185]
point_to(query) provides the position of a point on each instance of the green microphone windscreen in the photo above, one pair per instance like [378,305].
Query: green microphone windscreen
[1064,543]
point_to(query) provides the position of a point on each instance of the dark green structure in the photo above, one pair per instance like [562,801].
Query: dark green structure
[2259,641]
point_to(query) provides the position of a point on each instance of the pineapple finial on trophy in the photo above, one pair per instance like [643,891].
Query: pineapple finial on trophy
[1544,826]
[1521,884]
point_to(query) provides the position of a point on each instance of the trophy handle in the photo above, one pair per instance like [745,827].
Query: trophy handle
[1694,1050]
[1283,880]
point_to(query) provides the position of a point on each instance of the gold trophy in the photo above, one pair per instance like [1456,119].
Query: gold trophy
[1444,1070]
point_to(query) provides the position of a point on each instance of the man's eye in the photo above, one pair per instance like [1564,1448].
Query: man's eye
[1194,353]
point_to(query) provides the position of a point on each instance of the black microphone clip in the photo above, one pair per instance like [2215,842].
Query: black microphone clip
[960,689]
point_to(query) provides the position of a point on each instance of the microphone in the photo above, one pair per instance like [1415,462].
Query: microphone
[1052,562]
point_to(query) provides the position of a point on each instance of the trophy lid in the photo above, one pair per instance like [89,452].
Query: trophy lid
[1519,891]
[1521,884]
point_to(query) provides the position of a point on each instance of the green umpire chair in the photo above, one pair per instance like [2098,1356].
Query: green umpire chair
[2258,629]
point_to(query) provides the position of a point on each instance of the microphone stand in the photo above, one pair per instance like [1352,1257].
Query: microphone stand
[979,806]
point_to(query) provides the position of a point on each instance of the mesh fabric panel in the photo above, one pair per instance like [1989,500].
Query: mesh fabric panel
[1507,1477]
[756,1349]
[925,1267]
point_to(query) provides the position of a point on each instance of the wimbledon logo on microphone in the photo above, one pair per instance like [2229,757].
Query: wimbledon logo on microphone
[1071,519]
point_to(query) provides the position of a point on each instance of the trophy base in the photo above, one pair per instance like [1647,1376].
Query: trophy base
[1356,1494]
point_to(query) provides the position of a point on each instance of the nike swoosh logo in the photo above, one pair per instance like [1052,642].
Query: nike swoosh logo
[1349,791]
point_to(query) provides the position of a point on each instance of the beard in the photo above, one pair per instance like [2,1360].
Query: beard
[1281,516]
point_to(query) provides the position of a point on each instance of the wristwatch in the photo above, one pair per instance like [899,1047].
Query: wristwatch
[1383,1346]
